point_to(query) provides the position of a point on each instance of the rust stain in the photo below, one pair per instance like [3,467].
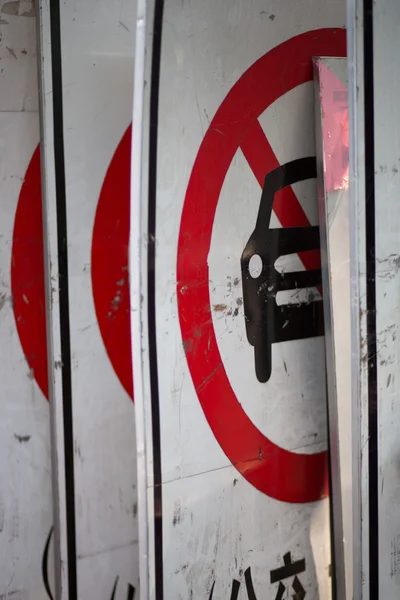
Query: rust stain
[21,9]
[220,307]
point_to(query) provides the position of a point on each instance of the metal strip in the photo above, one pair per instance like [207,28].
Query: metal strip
[57,297]
[151,291]
[62,238]
[371,299]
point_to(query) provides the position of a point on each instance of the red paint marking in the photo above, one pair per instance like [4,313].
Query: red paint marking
[109,268]
[27,274]
[258,153]
[277,472]
[110,277]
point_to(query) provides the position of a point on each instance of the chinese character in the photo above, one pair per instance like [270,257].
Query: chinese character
[236,587]
[130,592]
[289,569]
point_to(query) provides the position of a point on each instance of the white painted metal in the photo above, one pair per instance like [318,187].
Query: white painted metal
[333,202]
[215,524]
[359,370]
[25,497]
[51,272]
[138,283]
[97,40]
[376,224]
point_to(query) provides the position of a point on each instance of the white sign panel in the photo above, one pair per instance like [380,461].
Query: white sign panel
[25,498]
[232,367]
[87,70]
[375,224]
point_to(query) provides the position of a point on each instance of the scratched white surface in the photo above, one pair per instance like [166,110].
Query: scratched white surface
[97,61]
[98,45]
[334,211]
[25,496]
[215,524]
[387,227]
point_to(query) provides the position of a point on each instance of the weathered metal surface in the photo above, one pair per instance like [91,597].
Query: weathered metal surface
[333,202]
[25,497]
[87,68]
[375,225]
[235,416]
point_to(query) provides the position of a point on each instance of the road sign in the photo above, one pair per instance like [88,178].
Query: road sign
[87,108]
[234,406]
[26,498]
[284,475]
[374,226]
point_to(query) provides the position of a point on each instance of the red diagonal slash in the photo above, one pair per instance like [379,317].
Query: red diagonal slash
[261,158]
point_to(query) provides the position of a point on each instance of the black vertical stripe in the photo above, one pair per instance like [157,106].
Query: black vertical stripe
[61,206]
[151,290]
[371,300]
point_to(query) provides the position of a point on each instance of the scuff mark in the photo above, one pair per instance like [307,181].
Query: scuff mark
[207,379]
[12,52]
[177,517]
[78,452]
[25,8]
[22,438]
[188,345]
[395,558]
[10,8]
[182,569]
[116,300]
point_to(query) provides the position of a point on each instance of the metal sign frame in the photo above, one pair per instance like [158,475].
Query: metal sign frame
[375,223]
[333,204]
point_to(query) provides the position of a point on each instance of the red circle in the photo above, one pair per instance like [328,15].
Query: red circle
[110,277]
[109,267]
[276,472]
[27,274]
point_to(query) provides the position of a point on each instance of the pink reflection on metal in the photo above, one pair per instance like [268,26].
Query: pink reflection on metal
[335,129]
